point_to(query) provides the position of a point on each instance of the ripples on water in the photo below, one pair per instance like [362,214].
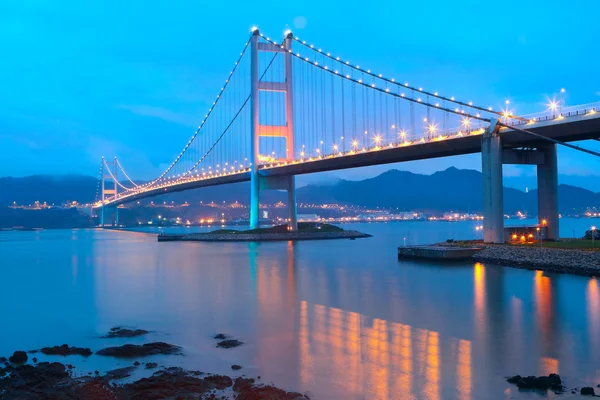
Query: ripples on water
[340,319]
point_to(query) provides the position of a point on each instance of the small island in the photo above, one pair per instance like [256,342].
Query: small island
[306,231]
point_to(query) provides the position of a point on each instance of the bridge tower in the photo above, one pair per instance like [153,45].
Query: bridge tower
[493,156]
[257,182]
[109,193]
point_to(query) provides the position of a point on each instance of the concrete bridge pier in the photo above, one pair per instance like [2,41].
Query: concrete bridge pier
[493,201]
[493,156]
[292,209]
[547,183]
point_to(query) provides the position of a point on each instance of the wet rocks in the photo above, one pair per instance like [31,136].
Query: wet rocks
[52,381]
[236,367]
[18,357]
[242,384]
[220,382]
[578,262]
[167,385]
[119,332]
[220,336]
[120,373]
[587,391]
[267,392]
[151,365]
[66,350]
[38,377]
[134,350]
[229,343]
[551,381]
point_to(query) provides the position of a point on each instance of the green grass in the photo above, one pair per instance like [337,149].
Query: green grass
[302,227]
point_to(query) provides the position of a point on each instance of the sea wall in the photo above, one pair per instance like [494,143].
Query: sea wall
[578,262]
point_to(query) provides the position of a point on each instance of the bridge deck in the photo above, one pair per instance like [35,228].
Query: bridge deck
[571,128]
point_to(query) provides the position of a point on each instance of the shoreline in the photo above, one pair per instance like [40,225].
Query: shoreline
[261,237]
[566,261]
[136,376]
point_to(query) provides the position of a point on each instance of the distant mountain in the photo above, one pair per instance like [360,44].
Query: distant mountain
[51,189]
[452,189]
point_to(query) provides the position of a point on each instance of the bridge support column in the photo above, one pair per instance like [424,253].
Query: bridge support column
[254,133]
[493,201]
[292,209]
[547,182]
[290,143]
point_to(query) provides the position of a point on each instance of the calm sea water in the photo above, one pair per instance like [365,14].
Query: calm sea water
[339,319]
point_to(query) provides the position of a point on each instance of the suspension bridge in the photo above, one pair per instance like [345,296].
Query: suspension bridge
[289,108]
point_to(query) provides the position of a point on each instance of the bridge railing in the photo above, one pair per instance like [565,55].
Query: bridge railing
[557,113]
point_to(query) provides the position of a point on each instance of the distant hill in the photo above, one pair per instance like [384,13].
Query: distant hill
[451,189]
[51,189]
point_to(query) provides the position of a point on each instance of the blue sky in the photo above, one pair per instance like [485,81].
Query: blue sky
[79,80]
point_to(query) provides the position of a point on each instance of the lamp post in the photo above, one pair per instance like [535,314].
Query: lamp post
[593,234]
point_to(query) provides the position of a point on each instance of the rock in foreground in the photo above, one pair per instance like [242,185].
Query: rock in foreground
[118,332]
[52,381]
[551,381]
[134,350]
[587,391]
[18,357]
[228,344]
[120,373]
[65,350]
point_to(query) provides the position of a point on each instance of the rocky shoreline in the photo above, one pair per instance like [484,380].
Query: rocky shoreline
[262,237]
[23,378]
[577,262]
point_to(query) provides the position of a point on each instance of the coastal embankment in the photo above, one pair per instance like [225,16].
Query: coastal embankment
[569,261]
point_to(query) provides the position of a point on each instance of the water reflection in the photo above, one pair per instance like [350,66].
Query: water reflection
[340,319]
[378,357]
[367,355]
[545,316]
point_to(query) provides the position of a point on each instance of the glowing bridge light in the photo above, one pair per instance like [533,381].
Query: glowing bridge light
[432,128]
[553,105]
[355,143]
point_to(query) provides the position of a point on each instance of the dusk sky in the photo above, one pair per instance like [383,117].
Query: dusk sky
[81,80]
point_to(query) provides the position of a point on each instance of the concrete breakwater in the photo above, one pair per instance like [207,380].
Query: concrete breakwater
[262,237]
[578,262]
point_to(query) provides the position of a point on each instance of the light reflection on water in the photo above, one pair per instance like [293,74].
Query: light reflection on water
[340,319]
